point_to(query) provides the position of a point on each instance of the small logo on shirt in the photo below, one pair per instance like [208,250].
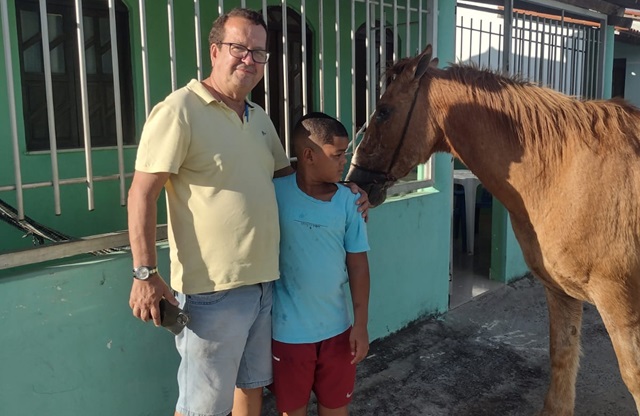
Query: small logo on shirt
[275,358]
[309,224]
[264,133]
[349,395]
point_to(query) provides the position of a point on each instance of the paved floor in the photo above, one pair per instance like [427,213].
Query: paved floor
[487,357]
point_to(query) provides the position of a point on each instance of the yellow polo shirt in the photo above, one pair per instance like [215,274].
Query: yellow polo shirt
[221,206]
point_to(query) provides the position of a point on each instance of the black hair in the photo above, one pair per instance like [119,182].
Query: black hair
[322,127]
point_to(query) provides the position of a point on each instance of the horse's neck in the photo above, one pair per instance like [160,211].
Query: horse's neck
[480,137]
[513,184]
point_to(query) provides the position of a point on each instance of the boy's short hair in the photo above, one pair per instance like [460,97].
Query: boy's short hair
[322,127]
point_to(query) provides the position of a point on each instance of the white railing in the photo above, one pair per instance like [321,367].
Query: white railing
[93,244]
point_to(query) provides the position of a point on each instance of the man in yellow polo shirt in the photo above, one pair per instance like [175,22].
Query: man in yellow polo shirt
[215,153]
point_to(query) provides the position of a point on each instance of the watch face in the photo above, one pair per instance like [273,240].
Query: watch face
[142,273]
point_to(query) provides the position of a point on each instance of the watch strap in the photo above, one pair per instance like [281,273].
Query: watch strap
[152,270]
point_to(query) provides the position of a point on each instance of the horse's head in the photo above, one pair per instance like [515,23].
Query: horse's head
[392,144]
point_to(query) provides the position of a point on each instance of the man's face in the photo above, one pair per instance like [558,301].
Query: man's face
[235,76]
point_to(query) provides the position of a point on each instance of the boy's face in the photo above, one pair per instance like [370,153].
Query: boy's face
[330,160]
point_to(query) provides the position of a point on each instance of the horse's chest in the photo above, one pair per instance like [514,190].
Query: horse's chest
[557,257]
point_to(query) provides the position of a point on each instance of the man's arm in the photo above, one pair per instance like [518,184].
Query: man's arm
[142,214]
[358,270]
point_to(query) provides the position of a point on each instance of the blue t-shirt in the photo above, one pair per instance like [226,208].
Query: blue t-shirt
[310,303]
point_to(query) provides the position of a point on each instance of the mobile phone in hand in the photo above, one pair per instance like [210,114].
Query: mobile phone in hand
[172,317]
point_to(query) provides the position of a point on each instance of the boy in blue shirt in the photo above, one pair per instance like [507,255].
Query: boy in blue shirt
[323,246]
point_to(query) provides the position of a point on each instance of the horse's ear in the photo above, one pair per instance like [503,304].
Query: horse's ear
[428,51]
[434,63]
[424,62]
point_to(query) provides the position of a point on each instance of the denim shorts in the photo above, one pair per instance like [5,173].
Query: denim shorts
[227,343]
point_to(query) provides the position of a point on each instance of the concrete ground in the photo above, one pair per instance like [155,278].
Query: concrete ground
[487,357]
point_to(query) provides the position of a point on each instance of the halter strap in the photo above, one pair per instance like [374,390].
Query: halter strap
[404,130]
[387,176]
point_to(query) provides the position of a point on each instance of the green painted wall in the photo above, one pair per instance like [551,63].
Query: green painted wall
[631,53]
[412,281]
[70,345]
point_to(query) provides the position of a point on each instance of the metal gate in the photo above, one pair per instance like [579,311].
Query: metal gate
[553,50]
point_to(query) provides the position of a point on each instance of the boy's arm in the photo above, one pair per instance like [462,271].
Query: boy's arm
[358,270]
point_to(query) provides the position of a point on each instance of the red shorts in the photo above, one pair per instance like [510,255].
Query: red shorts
[322,367]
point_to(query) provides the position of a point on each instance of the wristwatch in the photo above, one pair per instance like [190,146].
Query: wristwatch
[144,272]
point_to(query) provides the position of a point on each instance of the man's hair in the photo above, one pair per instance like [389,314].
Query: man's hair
[321,126]
[216,35]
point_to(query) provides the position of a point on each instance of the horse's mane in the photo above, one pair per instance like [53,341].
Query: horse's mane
[544,117]
[541,118]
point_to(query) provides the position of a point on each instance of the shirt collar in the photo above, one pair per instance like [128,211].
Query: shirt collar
[206,96]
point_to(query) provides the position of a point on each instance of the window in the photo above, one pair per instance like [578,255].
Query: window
[63,47]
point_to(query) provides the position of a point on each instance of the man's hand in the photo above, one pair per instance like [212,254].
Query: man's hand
[359,340]
[363,201]
[145,298]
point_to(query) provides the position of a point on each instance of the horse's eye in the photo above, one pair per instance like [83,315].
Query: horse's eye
[382,114]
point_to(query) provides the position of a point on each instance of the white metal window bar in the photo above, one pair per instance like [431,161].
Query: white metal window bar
[321,53]
[12,110]
[172,45]
[115,62]
[338,61]
[303,27]
[145,56]
[84,99]
[285,77]
[44,21]
[267,104]
[198,37]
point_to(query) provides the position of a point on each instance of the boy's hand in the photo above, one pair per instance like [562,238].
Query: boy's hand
[363,201]
[359,340]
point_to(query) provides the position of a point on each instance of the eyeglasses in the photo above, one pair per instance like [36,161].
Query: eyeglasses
[259,56]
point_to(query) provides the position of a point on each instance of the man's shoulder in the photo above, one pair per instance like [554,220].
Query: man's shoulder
[184,95]
[178,103]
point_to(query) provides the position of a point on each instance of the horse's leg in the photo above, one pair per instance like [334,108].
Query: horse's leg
[565,318]
[619,307]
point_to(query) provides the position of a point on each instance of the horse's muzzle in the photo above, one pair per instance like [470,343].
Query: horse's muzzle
[375,184]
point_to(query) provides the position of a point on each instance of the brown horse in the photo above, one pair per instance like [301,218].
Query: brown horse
[568,172]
